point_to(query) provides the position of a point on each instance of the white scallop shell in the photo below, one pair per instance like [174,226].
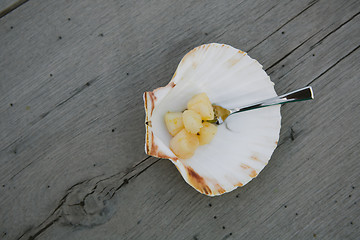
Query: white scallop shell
[243,146]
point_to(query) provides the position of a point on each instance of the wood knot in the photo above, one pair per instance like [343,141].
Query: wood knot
[87,205]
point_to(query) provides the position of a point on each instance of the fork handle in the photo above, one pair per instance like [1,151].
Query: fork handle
[301,94]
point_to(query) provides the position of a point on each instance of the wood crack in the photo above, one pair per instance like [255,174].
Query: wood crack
[12,7]
[21,170]
[327,35]
[43,115]
[332,66]
[265,12]
[73,94]
[333,31]
[126,172]
[292,134]
[278,61]
[314,46]
[85,205]
[44,228]
[287,22]
[77,91]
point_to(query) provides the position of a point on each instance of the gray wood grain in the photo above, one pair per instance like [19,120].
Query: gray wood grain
[7,6]
[71,120]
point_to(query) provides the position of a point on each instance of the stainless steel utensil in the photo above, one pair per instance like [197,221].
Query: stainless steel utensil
[221,114]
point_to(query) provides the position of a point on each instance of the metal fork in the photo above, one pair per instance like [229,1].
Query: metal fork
[221,114]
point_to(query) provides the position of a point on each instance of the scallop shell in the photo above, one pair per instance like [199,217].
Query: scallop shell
[243,146]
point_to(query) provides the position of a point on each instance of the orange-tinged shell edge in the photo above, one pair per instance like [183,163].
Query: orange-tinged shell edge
[150,99]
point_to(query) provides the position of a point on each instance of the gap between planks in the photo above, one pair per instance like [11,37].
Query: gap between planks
[12,7]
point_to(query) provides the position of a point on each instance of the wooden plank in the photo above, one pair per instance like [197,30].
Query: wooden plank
[307,191]
[76,134]
[60,128]
[301,196]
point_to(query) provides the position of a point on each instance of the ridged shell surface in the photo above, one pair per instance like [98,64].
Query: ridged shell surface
[243,146]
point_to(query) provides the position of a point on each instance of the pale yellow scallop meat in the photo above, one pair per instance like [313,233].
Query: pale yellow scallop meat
[192,121]
[184,144]
[207,133]
[174,122]
[201,104]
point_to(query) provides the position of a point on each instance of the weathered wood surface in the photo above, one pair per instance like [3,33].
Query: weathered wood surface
[6,6]
[72,158]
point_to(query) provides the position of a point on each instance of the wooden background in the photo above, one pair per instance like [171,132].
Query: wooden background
[73,166]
